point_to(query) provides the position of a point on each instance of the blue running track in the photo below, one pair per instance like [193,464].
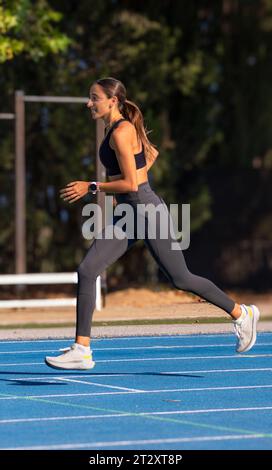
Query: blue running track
[167,392]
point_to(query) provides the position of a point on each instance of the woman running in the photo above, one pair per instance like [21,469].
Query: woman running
[127,154]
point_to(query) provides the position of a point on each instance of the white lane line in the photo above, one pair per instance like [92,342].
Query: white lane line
[196,346]
[162,373]
[177,358]
[126,338]
[199,371]
[125,415]
[212,371]
[84,382]
[32,351]
[6,364]
[147,392]
[22,364]
[91,445]
[63,418]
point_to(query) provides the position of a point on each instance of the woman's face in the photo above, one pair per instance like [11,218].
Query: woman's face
[99,104]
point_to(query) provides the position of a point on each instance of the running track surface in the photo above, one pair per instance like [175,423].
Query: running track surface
[164,392]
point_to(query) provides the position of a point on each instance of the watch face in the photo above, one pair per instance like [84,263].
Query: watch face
[93,187]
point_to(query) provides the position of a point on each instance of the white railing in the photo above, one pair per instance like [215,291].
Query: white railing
[44,278]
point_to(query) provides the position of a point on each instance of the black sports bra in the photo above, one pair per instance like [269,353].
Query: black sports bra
[108,157]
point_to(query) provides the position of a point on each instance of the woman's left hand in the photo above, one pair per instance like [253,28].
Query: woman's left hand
[74,191]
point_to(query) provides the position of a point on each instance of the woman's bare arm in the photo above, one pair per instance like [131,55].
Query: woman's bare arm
[122,139]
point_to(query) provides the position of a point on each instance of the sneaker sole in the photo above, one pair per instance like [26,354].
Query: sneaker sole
[61,367]
[256,317]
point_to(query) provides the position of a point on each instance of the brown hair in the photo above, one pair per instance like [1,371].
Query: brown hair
[113,87]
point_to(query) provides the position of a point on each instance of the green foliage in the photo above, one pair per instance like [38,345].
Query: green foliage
[201,76]
[29,27]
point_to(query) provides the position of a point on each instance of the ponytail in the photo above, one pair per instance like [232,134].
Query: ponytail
[113,87]
[131,112]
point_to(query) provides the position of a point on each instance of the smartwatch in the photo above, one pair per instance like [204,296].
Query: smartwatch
[93,187]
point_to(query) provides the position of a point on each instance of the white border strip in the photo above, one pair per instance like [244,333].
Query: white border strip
[106,444]
[125,415]
[179,358]
[133,348]
[131,338]
[84,382]
[146,392]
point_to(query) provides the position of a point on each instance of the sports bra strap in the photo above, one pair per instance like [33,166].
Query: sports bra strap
[115,124]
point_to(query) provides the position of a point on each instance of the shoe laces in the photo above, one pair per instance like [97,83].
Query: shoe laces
[238,329]
[66,350]
[70,348]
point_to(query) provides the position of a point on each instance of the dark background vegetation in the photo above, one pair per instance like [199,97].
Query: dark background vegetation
[201,73]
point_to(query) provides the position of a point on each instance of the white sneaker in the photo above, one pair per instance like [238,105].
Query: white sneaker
[76,357]
[246,328]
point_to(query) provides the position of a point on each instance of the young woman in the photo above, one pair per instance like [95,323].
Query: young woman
[127,154]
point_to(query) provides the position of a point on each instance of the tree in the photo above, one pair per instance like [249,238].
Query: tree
[200,74]
[29,29]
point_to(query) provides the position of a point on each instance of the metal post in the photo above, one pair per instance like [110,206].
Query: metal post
[20,211]
[101,176]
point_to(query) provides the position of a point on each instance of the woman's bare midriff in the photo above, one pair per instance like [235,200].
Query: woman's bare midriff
[141,176]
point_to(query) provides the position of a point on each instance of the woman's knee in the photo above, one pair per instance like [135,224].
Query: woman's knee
[183,282]
[87,271]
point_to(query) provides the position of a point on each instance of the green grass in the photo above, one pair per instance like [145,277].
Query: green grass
[183,321]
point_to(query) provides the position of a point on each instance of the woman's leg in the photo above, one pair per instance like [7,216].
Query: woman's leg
[102,253]
[173,264]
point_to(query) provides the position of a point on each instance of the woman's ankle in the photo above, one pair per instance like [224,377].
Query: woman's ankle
[83,340]
[236,312]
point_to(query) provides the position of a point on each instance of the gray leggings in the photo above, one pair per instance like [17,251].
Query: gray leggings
[103,252]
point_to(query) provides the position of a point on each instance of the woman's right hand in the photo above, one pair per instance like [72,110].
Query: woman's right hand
[74,191]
